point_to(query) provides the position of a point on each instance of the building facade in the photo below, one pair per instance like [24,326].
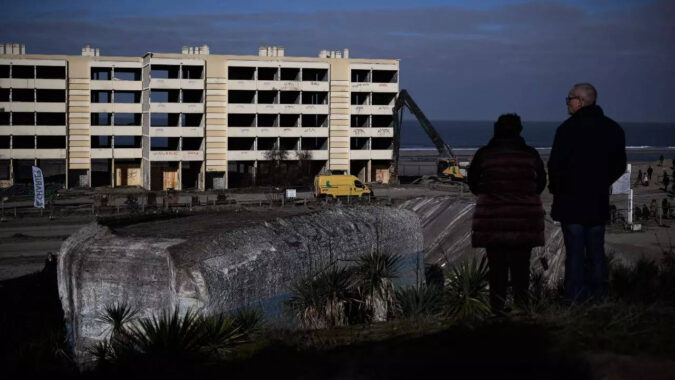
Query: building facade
[192,120]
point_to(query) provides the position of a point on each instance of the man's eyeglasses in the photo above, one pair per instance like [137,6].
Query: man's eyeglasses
[567,99]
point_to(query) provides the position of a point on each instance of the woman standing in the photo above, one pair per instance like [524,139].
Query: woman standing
[507,175]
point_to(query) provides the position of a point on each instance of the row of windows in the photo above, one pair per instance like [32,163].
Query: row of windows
[371,143]
[32,118]
[116,141]
[276,97]
[276,73]
[116,118]
[33,142]
[277,120]
[371,121]
[373,98]
[282,143]
[32,72]
[32,95]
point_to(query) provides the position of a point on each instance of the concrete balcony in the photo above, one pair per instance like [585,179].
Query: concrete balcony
[164,83]
[371,110]
[314,109]
[31,154]
[192,131]
[381,154]
[244,155]
[116,107]
[55,84]
[118,130]
[238,84]
[5,154]
[177,107]
[374,87]
[241,108]
[127,153]
[192,84]
[99,153]
[165,131]
[359,154]
[276,132]
[117,85]
[31,130]
[176,155]
[371,132]
[319,155]
[33,107]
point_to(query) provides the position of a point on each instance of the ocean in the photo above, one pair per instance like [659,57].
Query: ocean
[640,137]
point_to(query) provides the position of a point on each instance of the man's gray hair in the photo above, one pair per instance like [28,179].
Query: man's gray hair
[587,92]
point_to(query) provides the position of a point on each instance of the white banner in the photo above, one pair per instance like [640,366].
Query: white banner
[622,185]
[38,188]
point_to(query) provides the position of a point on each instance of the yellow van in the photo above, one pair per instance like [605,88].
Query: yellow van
[340,185]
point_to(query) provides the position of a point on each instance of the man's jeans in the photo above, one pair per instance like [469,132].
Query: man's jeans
[585,265]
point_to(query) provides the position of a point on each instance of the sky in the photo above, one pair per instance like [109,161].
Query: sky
[460,60]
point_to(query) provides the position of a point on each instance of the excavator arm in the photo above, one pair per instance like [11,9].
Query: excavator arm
[404,100]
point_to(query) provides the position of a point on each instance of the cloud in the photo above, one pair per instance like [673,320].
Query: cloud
[458,63]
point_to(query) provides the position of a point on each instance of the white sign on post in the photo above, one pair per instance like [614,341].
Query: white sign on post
[622,185]
[38,188]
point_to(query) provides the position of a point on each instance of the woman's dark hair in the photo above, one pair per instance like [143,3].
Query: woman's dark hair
[508,125]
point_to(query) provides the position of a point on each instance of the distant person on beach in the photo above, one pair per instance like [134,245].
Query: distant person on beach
[661,160]
[666,181]
[645,180]
[639,177]
[507,175]
[652,208]
[649,172]
[665,206]
[587,156]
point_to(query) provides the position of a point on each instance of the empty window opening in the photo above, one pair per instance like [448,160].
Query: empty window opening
[128,141]
[289,97]
[192,143]
[241,120]
[4,71]
[314,143]
[54,171]
[127,74]
[192,119]
[317,75]
[23,95]
[314,120]
[360,98]
[164,143]
[51,118]
[240,73]
[4,165]
[100,172]
[101,141]
[51,142]
[240,97]
[290,73]
[359,121]
[192,72]
[50,72]
[267,97]
[22,72]
[127,119]
[286,120]
[4,142]
[50,96]
[240,143]
[4,118]
[380,143]
[267,120]
[127,96]
[383,98]
[313,97]
[164,71]
[288,143]
[268,73]
[23,172]
[23,142]
[101,96]
[101,73]
[267,143]
[164,96]
[4,94]
[100,118]
[190,173]
[383,121]
[193,96]
[23,118]
[164,119]
[360,76]
[358,143]
[385,76]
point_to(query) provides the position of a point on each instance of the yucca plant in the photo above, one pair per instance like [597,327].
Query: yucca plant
[319,301]
[249,320]
[467,289]
[219,333]
[419,302]
[373,277]
[117,315]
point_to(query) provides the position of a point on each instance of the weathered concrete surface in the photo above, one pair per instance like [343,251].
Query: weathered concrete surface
[223,269]
[446,227]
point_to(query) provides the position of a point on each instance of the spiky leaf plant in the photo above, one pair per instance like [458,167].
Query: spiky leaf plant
[319,301]
[467,289]
[249,320]
[219,333]
[117,315]
[419,302]
[373,277]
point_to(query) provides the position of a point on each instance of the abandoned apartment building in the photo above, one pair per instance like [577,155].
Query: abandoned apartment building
[192,120]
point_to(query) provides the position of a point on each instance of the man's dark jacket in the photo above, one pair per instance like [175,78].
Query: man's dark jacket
[588,155]
[507,176]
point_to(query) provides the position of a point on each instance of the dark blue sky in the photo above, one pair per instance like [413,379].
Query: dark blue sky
[461,60]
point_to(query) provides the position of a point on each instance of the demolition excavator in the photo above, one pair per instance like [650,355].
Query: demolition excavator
[448,165]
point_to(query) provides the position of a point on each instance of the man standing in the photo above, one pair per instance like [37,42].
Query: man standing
[587,156]
[649,172]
